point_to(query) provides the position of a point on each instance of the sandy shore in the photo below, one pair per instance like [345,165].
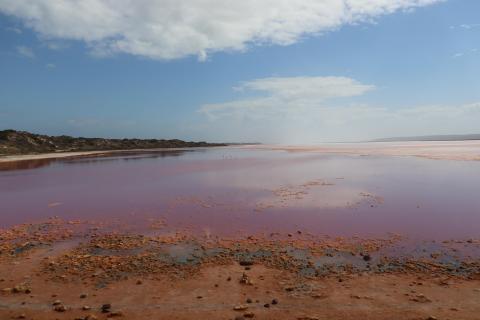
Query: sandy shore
[446,150]
[74,270]
[59,155]
[50,156]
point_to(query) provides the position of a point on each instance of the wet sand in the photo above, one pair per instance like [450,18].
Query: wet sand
[79,270]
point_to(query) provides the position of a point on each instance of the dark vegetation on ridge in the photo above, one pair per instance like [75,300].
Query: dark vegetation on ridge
[14,142]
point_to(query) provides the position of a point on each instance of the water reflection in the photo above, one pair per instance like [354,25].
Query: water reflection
[110,157]
[238,190]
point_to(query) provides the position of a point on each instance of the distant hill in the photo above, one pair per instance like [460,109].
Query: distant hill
[14,142]
[458,137]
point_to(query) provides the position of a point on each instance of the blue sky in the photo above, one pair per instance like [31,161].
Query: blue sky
[403,71]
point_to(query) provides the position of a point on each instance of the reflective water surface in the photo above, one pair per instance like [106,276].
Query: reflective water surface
[240,190]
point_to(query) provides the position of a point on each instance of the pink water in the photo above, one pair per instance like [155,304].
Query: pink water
[235,190]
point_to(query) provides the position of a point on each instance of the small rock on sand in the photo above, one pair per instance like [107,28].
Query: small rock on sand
[240,307]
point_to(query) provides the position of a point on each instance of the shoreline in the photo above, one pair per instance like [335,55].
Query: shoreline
[69,270]
[468,150]
[73,154]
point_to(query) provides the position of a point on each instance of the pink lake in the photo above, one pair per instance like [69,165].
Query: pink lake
[240,190]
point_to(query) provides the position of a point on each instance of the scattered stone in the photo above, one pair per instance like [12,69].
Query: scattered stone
[420,298]
[139,282]
[21,288]
[83,296]
[239,318]
[266,305]
[240,307]
[86,308]
[431,318]
[21,316]
[106,308]
[245,279]
[249,315]
[367,257]
[249,300]
[274,301]
[245,263]
[319,295]
[60,308]
[115,314]
[56,303]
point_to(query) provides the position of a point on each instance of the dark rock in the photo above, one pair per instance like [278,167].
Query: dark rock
[60,308]
[106,308]
[246,263]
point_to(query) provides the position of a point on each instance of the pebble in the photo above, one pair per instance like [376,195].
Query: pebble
[240,307]
[249,300]
[249,315]
[274,301]
[266,305]
[57,302]
[106,307]
[60,308]
[245,263]
[115,314]
[83,296]
[86,308]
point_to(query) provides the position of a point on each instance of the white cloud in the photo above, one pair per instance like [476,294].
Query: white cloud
[303,110]
[26,52]
[50,66]
[287,94]
[14,29]
[466,26]
[169,29]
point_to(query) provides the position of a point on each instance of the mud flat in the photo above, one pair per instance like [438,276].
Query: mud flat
[447,150]
[83,270]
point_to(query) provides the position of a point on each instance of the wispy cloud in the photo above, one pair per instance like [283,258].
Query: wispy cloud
[50,66]
[463,54]
[313,109]
[14,29]
[466,26]
[285,94]
[26,52]
[165,29]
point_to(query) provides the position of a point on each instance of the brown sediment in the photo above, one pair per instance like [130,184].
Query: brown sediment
[176,275]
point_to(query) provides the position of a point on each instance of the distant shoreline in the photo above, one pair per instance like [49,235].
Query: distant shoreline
[468,150]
